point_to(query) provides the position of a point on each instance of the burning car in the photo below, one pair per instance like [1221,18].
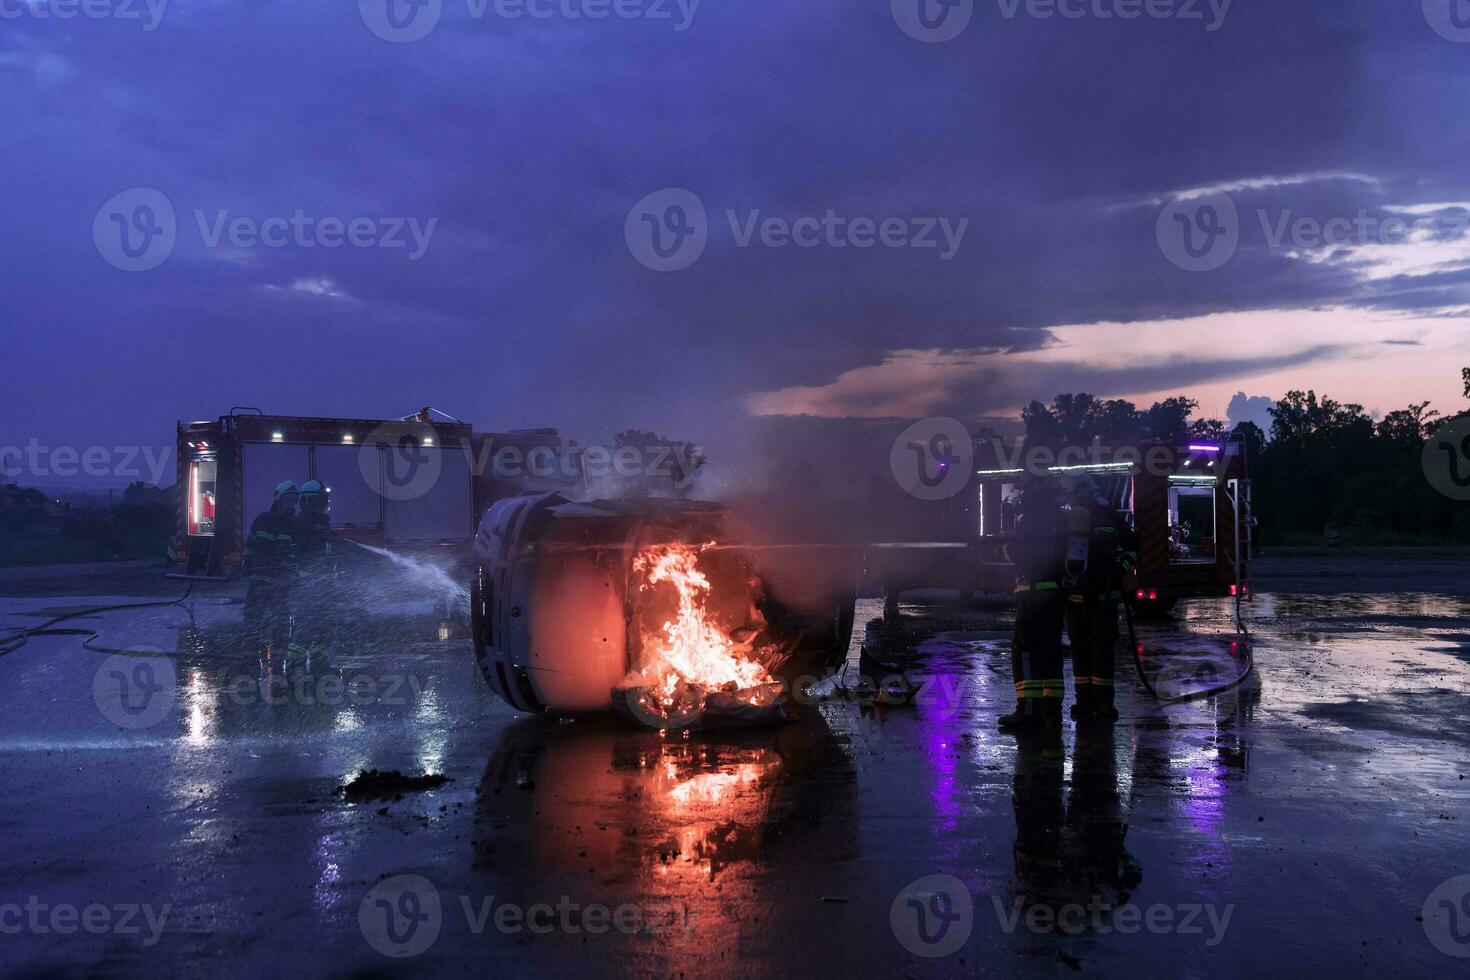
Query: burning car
[657,608]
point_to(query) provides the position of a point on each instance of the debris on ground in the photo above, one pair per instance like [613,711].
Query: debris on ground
[385,784]
[692,707]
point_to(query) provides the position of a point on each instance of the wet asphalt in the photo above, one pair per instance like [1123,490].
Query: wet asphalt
[1311,819]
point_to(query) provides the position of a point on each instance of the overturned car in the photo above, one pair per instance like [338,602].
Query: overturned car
[659,609]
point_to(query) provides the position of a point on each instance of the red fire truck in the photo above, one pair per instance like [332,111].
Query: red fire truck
[1190,506]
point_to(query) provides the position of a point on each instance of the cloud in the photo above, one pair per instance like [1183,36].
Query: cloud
[1250,408]
[1252,184]
[1144,361]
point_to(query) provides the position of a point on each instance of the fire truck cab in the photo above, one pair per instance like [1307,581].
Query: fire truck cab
[1190,506]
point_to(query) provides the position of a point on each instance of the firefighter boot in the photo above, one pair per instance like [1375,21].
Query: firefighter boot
[1037,715]
[1028,717]
[1084,705]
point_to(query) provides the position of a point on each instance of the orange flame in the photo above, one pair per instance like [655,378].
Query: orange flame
[692,648]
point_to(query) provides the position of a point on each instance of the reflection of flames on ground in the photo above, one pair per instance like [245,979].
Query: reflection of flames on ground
[691,656]
[714,817]
[707,836]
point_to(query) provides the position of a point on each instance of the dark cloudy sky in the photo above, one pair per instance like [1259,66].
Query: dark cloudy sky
[1070,147]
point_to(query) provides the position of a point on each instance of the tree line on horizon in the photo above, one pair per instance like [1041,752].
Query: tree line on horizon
[1323,462]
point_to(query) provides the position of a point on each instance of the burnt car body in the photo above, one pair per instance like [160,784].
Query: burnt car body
[558,615]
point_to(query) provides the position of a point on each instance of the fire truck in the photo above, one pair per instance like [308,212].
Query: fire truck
[1189,504]
[415,484]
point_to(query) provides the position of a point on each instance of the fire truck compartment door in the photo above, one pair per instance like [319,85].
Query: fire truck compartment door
[427,495]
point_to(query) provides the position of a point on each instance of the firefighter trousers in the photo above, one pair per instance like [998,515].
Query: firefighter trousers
[268,610]
[1036,647]
[1092,629]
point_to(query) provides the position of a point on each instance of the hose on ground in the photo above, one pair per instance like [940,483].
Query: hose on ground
[20,637]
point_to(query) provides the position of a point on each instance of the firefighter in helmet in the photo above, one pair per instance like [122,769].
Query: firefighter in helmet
[315,567]
[1038,551]
[1109,550]
[270,552]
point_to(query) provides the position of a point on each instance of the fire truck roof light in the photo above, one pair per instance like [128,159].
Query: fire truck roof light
[1090,466]
[997,472]
[1204,448]
[428,440]
[277,437]
[347,438]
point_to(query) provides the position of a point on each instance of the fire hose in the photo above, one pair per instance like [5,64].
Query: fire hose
[20,637]
[1250,662]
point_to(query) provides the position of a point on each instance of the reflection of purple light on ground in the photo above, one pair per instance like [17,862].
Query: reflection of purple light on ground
[1205,804]
[939,739]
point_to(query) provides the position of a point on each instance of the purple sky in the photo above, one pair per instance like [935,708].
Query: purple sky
[1060,143]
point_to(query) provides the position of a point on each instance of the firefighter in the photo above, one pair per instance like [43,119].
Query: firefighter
[315,568]
[270,552]
[314,529]
[1111,551]
[1037,550]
